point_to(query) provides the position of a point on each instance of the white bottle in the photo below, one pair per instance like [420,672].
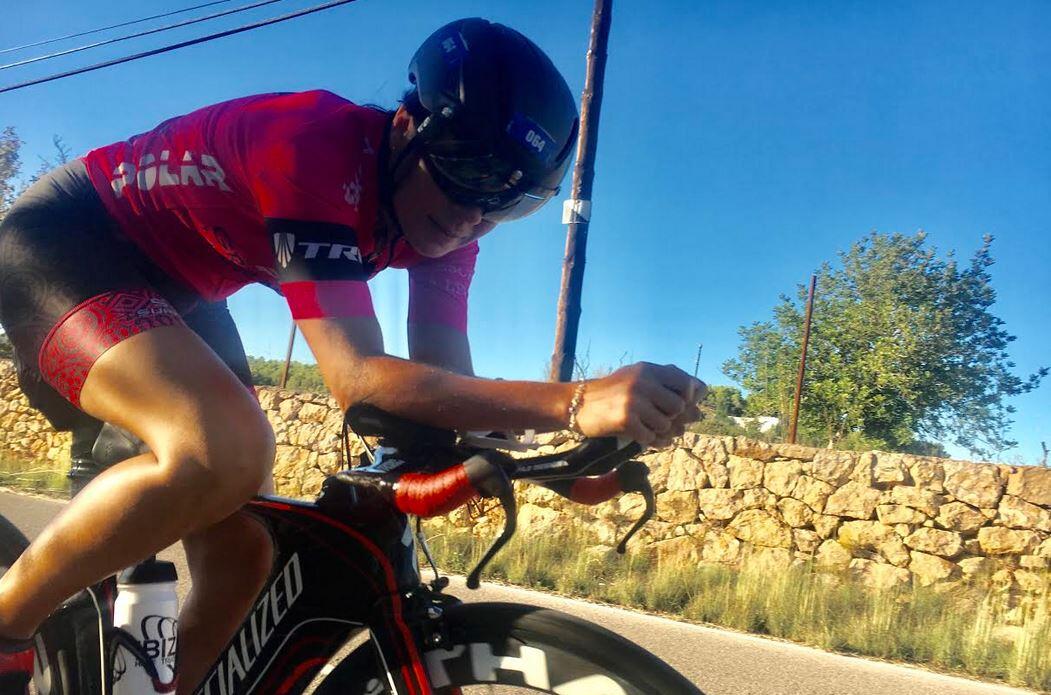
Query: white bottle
[147,608]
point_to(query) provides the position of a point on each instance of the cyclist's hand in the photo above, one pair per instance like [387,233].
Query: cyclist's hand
[651,404]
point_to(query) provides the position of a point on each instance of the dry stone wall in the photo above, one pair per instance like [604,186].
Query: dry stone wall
[888,518]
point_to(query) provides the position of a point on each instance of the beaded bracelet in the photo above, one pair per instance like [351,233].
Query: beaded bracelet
[574,407]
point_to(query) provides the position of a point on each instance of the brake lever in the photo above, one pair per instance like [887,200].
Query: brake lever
[635,477]
[490,480]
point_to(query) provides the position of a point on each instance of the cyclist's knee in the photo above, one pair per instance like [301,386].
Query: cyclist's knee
[223,465]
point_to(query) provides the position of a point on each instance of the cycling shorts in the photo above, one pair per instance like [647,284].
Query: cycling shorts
[72,286]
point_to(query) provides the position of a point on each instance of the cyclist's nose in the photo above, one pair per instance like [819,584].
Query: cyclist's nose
[466,217]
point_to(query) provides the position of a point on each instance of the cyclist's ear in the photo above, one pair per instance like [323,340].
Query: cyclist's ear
[402,129]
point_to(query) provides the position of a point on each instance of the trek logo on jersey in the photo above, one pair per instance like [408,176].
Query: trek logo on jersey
[164,170]
[247,646]
[285,247]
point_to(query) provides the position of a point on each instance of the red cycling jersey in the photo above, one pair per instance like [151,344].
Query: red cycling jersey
[280,189]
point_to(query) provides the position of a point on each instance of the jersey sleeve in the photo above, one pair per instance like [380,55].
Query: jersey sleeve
[300,172]
[438,288]
[319,269]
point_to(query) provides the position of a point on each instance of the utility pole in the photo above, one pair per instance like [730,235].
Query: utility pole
[288,355]
[577,211]
[802,361]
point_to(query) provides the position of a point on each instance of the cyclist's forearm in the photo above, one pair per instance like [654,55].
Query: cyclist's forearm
[440,398]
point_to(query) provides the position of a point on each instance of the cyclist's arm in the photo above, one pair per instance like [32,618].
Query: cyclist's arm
[349,352]
[438,289]
[440,346]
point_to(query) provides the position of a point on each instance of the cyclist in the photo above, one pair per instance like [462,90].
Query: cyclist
[312,195]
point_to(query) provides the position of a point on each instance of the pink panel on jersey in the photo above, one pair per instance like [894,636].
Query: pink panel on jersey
[315,299]
[438,288]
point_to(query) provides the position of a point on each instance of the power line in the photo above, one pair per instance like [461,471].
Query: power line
[106,42]
[175,46]
[112,26]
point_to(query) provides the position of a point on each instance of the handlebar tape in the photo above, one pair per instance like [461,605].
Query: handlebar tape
[433,494]
[595,490]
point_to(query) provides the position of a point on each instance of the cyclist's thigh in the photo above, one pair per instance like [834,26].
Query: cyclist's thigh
[212,321]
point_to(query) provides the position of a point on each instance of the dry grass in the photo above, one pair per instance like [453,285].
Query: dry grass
[970,629]
[33,476]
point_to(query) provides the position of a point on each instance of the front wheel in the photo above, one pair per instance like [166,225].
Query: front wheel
[510,648]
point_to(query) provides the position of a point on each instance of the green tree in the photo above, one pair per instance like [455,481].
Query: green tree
[726,401]
[904,351]
[301,377]
[10,166]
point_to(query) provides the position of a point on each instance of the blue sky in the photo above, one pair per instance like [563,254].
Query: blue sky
[741,145]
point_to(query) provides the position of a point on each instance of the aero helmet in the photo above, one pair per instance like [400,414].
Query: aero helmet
[496,121]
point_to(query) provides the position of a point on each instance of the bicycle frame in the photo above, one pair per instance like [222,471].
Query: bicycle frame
[348,562]
[331,577]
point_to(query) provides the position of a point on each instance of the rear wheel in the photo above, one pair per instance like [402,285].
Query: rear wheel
[509,649]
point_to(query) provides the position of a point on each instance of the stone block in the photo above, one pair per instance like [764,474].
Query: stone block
[721,547]
[795,513]
[928,474]
[1033,582]
[686,472]
[891,514]
[1015,512]
[831,555]
[826,525]
[677,507]
[935,542]
[958,516]
[760,527]
[745,473]
[867,535]
[996,540]
[805,541]
[719,503]
[979,485]
[930,569]
[889,469]
[878,576]
[1032,484]
[780,477]
[926,501]
[1034,562]
[758,498]
[853,500]
[684,549]
[813,492]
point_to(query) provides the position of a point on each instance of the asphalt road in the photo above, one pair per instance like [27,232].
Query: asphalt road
[718,661]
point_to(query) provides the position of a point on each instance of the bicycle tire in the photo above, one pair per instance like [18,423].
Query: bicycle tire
[534,649]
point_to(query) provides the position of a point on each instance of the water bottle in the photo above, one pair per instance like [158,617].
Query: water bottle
[147,609]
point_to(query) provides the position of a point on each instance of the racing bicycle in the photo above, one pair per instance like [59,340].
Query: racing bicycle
[347,572]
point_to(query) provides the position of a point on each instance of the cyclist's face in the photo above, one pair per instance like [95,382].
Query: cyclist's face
[433,224]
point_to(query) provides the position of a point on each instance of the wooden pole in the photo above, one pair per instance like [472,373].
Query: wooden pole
[802,361]
[288,355]
[577,211]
